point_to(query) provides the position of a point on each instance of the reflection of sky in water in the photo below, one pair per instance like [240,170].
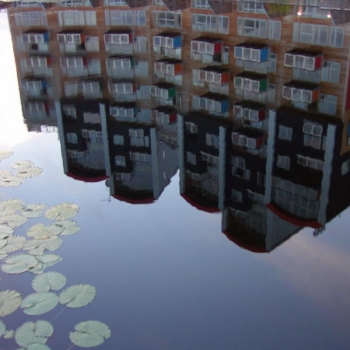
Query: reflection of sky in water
[166,277]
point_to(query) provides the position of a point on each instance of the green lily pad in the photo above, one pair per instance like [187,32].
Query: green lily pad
[12,181]
[33,210]
[90,333]
[21,164]
[62,211]
[10,300]
[5,231]
[18,263]
[37,246]
[29,172]
[33,332]
[13,220]
[49,281]
[39,232]
[65,227]
[5,154]
[14,243]
[11,205]
[38,346]
[3,242]
[78,295]
[39,303]
[9,334]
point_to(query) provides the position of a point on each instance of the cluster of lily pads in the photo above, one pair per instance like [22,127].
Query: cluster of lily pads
[34,254]
[21,170]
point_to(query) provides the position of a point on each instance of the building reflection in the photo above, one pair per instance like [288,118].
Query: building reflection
[250,100]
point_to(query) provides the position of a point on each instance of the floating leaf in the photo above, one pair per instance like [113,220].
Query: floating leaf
[33,332]
[14,243]
[10,300]
[5,231]
[39,303]
[3,242]
[33,210]
[48,259]
[5,173]
[2,328]
[49,281]
[78,295]
[9,334]
[39,232]
[12,205]
[21,164]
[55,229]
[89,333]
[62,211]
[29,172]
[5,154]
[38,269]
[18,263]
[13,220]
[12,181]
[65,227]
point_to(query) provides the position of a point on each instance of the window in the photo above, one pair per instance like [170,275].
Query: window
[121,88]
[285,133]
[125,17]
[312,128]
[236,196]
[206,157]
[32,18]
[330,72]
[118,139]
[212,140]
[72,137]
[69,111]
[272,62]
[312,141]
[327,104]
[115,3]
[312,163]
[253,6]
[191,128]
[252,27]
[200,4]
[210,23]
[345,167]
[167,19]
[92,118]
[119,161]
[315,34]
[191,158]
[283,162]
[239,169]
[77,18]
[275,30]
[296,94]
[140,157]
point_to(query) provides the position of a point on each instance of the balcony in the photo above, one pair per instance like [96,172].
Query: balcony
[303,59]
[84,88]
[301,92]
[169,70]
[36,65]
[71,42]
[212,103]
[248,81]
[35,42]
[249,140]
[164,115]
[122,91]
[119,43]
[168,44]
[78,66]
[164,93]
[124,111]
[120,67]
[249,112]
[207,50]
[252,52]
[34,87]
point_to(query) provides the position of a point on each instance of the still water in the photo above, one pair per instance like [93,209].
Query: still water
[166,275]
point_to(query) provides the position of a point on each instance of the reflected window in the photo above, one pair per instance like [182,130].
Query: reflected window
[236,196]
[167,19]
[118,139]
[285,133]
[191,158]
[72,137]
[119,161]
[283,162]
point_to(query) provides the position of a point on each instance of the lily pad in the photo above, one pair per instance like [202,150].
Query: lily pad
[33,210]
[5,173]
[5,231]
[10,300]
[49,259]
[19,263]
[65,227]
[12,205]
[14,243]
[39,303]
[3,242]
[13,220]
[39,232]
[90,333]
[49,281]
[62,211]
[37,246]
[38,346]
[29,172]
[5,154]
[9,334]
[2,328]
[12,181]
[33,332]
[78,295]
[21,164]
